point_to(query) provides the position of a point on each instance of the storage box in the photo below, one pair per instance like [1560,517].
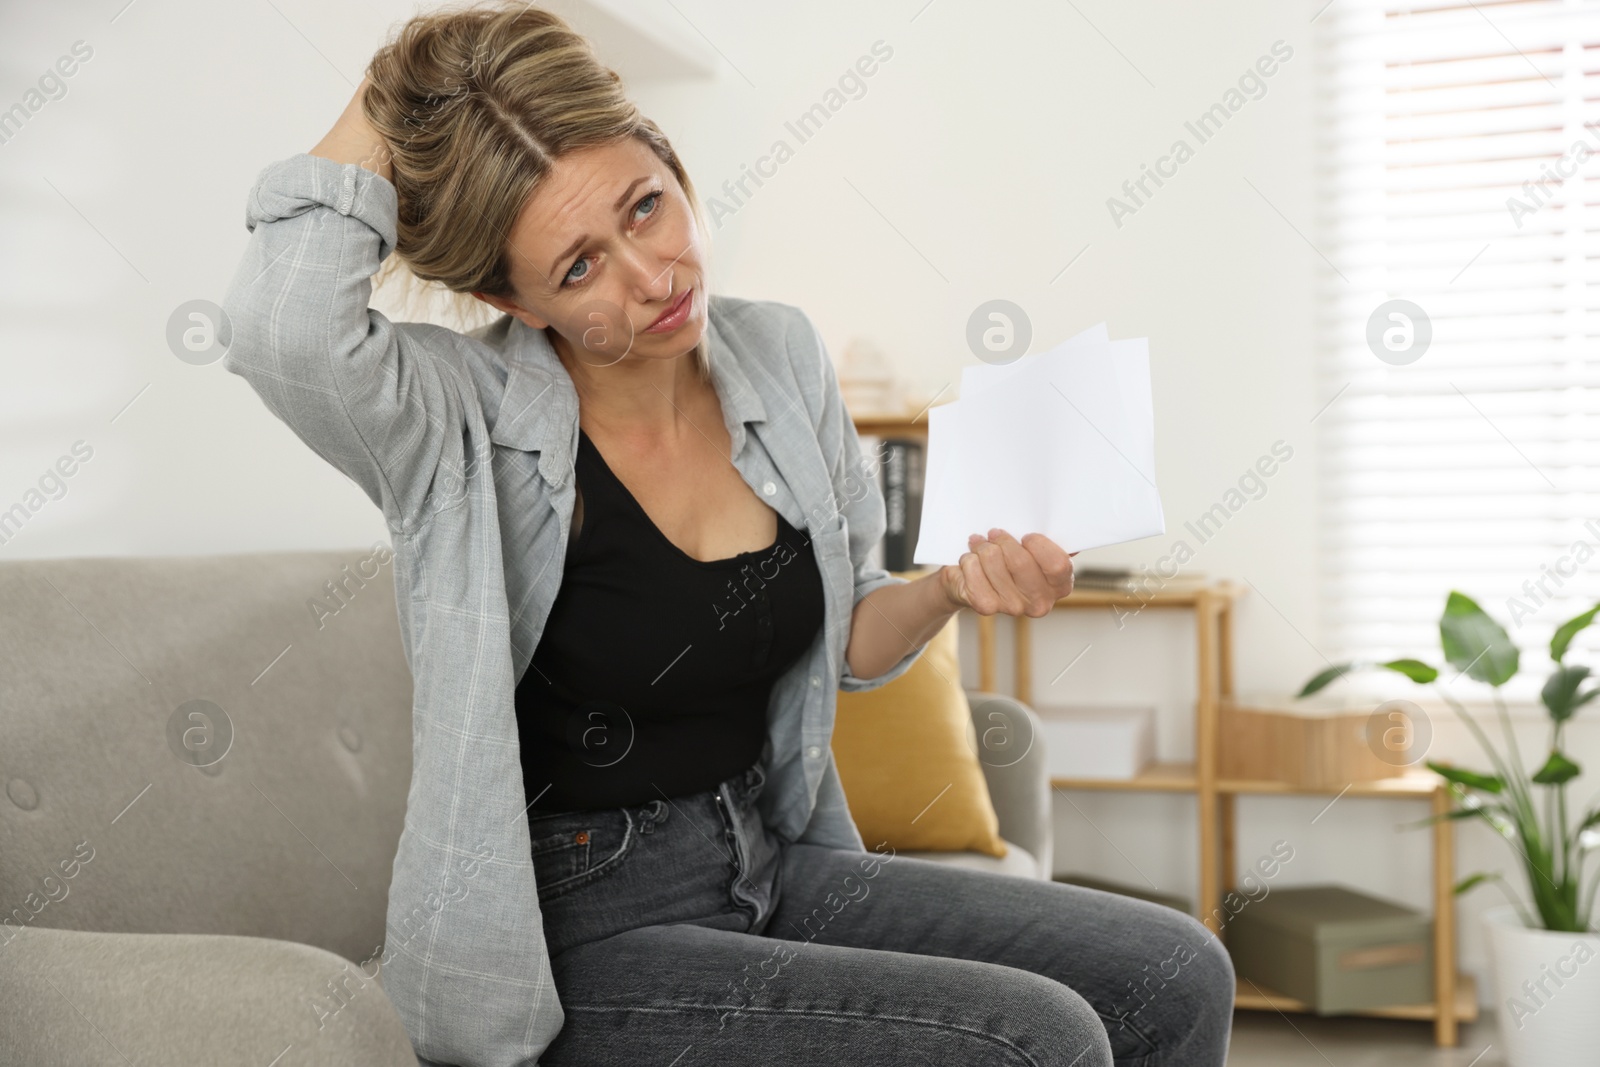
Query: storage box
[1310,748]
[1097,742]
[1333,948]
[1171,900]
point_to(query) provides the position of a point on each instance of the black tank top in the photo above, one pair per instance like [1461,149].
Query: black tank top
[654,670]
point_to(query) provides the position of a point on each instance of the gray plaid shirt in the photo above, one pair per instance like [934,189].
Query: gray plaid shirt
[466,443]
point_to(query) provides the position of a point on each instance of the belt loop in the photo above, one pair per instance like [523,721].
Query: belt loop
[651,814]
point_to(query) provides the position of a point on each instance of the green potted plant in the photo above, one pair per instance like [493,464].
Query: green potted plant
[1547,958]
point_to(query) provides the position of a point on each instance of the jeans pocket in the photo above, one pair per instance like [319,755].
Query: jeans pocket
[577,848]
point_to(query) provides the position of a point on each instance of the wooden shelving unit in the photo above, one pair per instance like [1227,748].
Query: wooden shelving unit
[1252,997]
[893,425]
[1212,607]
[1211,604]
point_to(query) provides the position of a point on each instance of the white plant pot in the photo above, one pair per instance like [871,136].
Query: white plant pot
[1547,992]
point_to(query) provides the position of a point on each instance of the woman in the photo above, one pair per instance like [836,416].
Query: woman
[631,521]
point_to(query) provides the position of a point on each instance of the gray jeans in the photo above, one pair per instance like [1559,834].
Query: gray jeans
[682,931]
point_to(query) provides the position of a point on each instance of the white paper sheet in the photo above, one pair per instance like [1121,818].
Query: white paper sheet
[1060,443]
[975,378]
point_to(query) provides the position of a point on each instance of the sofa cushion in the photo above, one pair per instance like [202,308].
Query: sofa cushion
[78,998]
[203,745]
[907,758]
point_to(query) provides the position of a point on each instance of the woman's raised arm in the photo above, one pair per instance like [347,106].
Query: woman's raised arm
[373,398]
[353,140]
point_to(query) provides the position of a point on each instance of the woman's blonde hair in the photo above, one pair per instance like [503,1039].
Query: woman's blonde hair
[476,102]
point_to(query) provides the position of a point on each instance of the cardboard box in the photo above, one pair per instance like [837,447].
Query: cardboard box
[1311,748]
[1098,742]
[1333,948]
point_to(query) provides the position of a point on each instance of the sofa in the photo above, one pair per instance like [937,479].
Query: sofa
[205,762]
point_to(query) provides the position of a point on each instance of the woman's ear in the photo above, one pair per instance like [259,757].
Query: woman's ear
[512,308]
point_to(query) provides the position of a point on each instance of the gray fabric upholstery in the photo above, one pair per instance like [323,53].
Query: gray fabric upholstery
[292,835]
[91,999]
[1017,860]
[1019,785]
[242,896]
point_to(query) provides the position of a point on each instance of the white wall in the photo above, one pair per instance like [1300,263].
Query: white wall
[983,150]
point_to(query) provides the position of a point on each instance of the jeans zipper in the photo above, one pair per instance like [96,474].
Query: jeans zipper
[728,832]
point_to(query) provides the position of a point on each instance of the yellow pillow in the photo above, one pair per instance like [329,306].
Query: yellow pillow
[907,758]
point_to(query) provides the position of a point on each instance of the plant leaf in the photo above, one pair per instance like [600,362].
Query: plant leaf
[1474,643]
[1560,692]
[1472,881]
[1486,813]
[1414,669]
[1332,674]
[1557,770]
[1489,783]
[1568,630]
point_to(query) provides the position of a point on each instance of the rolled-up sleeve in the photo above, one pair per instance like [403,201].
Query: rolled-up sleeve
[856,492]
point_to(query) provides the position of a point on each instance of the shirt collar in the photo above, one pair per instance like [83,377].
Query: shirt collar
[741,402]
[539,411]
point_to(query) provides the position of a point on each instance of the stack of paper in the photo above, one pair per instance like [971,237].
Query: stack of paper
[1061,443]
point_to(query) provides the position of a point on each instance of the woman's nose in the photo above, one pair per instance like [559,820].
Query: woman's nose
[652,278]
[659,285]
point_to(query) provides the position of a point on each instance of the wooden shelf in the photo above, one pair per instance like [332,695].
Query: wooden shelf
[1182,778]
[1252,997]
[892,425]
[1180,592]
[1406,786]
[1156,778]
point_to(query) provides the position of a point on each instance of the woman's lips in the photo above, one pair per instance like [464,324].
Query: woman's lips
[674,316]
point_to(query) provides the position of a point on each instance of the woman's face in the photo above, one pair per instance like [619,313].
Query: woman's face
[606,252]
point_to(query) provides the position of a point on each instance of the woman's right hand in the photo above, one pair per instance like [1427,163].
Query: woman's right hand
[353,139]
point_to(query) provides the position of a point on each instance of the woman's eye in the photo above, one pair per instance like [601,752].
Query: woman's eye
[648,204]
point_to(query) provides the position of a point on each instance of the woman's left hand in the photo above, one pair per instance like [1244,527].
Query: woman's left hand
[1003,575]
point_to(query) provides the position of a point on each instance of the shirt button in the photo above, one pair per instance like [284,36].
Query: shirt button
[816,683]
[814,752]
[769,488]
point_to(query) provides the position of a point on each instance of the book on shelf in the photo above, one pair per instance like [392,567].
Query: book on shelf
[1099,577]
[1126,579]
[899,465]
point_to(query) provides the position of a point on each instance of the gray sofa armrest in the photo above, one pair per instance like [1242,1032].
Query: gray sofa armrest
[1011,750]
[77,997]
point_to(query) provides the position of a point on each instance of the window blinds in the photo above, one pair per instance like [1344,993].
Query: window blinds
[1459,149]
